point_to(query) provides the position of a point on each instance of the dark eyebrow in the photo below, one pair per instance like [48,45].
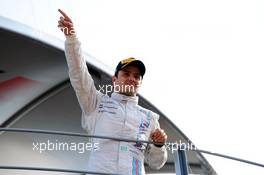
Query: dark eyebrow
[126,71]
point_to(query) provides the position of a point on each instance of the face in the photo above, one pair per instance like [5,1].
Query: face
[128,81]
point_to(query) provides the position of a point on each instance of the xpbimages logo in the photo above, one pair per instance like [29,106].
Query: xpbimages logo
[179,145]
[80,147]
[116,88]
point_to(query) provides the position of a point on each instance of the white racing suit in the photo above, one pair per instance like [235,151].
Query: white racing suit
[116,116]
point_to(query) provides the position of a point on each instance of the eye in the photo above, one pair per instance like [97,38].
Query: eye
[137,77]
[126,74]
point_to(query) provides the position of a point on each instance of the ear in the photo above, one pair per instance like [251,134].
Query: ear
[114,79]
[141,81]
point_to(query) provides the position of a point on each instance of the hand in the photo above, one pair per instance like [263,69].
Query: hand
[159,137]
[65,24]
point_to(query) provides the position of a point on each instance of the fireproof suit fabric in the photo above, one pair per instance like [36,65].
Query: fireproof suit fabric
[115,116]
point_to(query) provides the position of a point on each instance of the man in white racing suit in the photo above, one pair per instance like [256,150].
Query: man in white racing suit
[116,116]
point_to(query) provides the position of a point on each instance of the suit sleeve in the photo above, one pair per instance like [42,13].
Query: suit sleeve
[80,78]
[156,157]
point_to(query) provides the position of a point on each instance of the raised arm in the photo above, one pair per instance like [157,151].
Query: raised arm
[80,78]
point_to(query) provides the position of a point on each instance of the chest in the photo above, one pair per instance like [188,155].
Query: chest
[123,119]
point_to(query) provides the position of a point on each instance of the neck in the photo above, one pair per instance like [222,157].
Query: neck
[127,94]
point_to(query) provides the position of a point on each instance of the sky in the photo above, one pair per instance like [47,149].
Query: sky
[204,61]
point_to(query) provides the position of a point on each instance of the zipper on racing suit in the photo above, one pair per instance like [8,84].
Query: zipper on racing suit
[124,123]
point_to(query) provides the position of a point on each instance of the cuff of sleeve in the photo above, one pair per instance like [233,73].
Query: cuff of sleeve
[159,146]
[71,39]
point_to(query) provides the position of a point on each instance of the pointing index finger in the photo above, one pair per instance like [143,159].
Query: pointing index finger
[64,14]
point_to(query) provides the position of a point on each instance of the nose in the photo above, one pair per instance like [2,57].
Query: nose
[131,79]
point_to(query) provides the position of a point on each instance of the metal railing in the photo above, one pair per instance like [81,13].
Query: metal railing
[52,170]
[180,159]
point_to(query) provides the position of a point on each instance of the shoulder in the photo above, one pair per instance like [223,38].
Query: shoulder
[103,97]
[148,112]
